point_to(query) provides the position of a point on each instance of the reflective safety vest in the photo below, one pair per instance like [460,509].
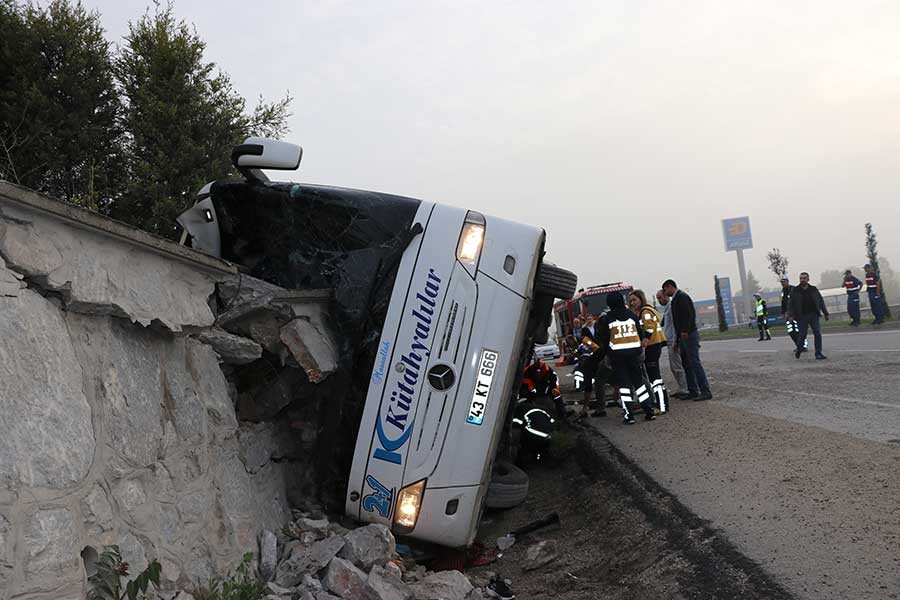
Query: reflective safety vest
[760,308]
[650,321]
[623,335]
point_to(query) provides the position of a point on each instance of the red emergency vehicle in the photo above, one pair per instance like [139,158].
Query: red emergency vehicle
[587,301]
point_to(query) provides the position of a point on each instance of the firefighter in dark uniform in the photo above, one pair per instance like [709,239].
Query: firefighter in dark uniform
[852,285]
[622,337]
[790,322]
[873,288]
[762,317]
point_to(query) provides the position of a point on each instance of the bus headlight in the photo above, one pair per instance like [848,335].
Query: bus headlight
[471,239]
[409,501]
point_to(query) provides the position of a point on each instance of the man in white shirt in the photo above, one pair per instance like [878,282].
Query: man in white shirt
[674,354]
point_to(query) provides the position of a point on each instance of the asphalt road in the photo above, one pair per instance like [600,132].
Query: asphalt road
[795,461]
[855,391]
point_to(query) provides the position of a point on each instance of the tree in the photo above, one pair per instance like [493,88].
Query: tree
[59,109]
[872,253]
[183,118]
[720,307]
[778,263]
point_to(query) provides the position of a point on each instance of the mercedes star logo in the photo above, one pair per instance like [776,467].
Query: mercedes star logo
[441,377]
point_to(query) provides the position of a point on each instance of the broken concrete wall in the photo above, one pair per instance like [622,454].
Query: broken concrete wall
[114,432]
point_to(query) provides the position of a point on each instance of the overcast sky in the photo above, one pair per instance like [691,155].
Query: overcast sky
[626,129]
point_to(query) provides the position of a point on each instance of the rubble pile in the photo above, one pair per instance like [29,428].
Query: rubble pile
[315,559]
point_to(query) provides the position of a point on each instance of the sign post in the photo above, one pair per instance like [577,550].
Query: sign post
[738,238]
[725,292]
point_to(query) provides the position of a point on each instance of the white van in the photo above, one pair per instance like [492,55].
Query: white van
[447,301]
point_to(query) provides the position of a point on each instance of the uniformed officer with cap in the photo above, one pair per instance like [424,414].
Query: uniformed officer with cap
[873,288]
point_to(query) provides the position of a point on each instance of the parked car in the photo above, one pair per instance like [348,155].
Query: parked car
[546,351]
[438,306]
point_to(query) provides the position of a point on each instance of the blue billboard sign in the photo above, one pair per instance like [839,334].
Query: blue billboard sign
[737,233]
[725,292]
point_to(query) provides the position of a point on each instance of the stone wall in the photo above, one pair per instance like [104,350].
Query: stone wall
[116,426]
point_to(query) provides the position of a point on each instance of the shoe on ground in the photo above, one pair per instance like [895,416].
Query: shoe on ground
[768,338]
[805,349]
[628,420]
[759,340]
[498,588]
[691,396]
[704,396]
[821,357]
[649,417]
[797,353]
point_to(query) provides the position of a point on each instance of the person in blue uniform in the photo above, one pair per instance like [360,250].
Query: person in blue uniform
[852,285]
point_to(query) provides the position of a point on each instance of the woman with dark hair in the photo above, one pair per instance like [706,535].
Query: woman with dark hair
[656,341]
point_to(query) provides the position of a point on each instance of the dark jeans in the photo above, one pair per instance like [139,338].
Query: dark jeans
[876,305]
[805,322]
[693,368]
[853,307]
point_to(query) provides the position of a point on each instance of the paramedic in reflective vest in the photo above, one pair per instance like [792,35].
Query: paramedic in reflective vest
[790,322]
[873,288]
[762,317]
[622,336]
[656,341]
[852,285]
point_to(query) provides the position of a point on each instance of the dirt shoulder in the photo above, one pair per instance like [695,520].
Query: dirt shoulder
[621,536]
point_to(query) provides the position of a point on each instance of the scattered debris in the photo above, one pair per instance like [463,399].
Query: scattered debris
[506,541]
[540,554]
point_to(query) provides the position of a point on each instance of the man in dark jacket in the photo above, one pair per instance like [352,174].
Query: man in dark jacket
[621,335]
[688,339]
[806,305]
[793,328]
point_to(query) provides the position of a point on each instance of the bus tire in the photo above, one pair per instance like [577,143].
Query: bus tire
[508,487]
[554,281]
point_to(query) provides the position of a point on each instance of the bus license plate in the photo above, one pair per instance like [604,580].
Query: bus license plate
[486,368]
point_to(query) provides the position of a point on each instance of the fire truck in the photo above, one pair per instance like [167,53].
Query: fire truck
[587,301]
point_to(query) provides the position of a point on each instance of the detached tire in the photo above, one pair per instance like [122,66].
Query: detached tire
[553,281]
[508,487]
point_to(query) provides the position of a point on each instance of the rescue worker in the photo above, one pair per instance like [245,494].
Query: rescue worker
[540,381]
[873,288]
[591,366]
[790,322]
[537,430]
[852,285]
[762,317]
[656,341]
[622,337]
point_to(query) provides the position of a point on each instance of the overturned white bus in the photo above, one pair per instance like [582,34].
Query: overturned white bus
[439,303]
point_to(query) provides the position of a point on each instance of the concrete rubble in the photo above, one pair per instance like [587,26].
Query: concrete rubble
[359,564]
